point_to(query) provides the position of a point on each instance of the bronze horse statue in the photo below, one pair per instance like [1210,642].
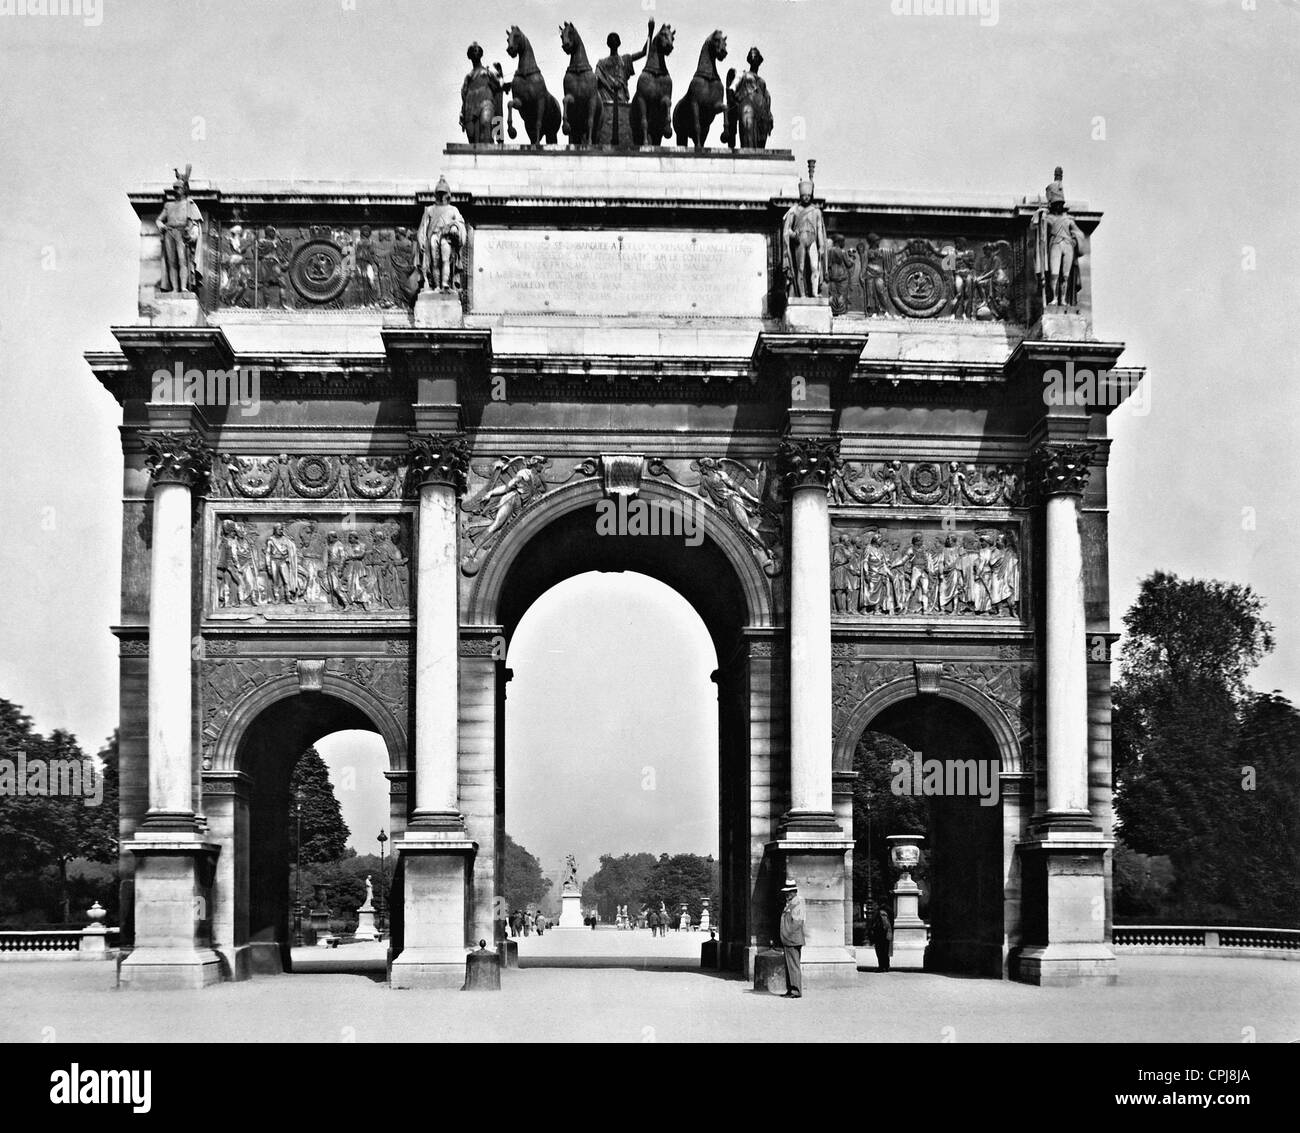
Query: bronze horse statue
[705,98]
[582,109]
[528,94]
[652,106]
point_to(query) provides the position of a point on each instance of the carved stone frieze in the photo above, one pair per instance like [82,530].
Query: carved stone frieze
[223,682]
[925,278]
[928,483]
[309,476]
[387,678]
[321,564]
[315,267]
[895,570]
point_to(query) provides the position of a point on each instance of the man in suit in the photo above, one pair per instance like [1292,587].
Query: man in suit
[882,936]
[792,932]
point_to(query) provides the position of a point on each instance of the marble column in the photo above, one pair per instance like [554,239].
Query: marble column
[811,850]
[439,462]
[806,465]
[175,864]
[1064,475]
[176,463]
[434,852]
[1063,875]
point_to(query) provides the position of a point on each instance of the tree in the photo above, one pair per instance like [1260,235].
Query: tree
[72,812]
[523,885]
[618,881]
[681,878]
[324,833]
[1206,770]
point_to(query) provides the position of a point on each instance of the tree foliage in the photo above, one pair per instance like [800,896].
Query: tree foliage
[619,881]
[1206,770]
[677,879]
[324,833]
[523,885]
[40,832]
[878,812]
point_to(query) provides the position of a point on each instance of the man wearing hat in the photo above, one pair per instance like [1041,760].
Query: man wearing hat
[803,245]
[792,930]
[440,239]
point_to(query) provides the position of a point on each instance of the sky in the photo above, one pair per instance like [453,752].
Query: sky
[1176,119]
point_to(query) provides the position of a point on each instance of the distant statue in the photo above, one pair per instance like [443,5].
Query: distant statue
[651,114]
[804,245]
[370,893]
[181,225]
[613,73]
[481,100]
[705,98]
[528,94]
[440,240]
[749,116]
[1059,244]
[581,115]
[570,883]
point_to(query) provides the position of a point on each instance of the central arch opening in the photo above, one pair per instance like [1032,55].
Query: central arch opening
[611,755]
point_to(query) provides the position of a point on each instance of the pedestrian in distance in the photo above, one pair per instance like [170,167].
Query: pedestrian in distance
[882,936]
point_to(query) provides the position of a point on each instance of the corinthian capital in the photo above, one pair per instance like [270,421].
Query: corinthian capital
[1061,469]
[439,459]
[808,462]
[177,458]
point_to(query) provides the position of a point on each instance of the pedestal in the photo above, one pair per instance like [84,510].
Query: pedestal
[808,316]
[911,934]
[438,309]
[816,865]
[435,891]
[705,922]
[1065,902]
[366,923]
[173,914]
[571,911]
[177,309]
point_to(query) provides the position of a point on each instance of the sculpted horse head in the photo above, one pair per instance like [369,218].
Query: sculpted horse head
[516,42]
[570,40]
[713,49]
[662,45]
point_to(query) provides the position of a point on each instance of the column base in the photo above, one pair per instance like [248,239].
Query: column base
[429,968]
[435,869]
[174,874]
[829,965]
[170,969]
[814,861]
[803,821]
[1066,965]
[1063,907]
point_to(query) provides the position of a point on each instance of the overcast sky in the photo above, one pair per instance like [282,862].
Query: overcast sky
[1178,119]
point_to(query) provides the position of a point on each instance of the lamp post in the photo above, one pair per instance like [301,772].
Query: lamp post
[383,891]
[297,878]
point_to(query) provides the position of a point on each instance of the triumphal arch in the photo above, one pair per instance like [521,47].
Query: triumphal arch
[365,426]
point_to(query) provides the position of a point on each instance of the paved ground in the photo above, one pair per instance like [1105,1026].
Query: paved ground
[646,997]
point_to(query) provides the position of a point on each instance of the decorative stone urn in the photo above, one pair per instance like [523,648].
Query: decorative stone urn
[910,932]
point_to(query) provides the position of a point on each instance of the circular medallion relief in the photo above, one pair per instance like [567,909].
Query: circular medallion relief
[316,271]
[919,287]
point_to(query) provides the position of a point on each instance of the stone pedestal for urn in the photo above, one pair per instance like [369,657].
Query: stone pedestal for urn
[910,931]
[705,923]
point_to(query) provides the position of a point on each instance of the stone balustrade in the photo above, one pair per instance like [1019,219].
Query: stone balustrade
[94,942]
[1204,940]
